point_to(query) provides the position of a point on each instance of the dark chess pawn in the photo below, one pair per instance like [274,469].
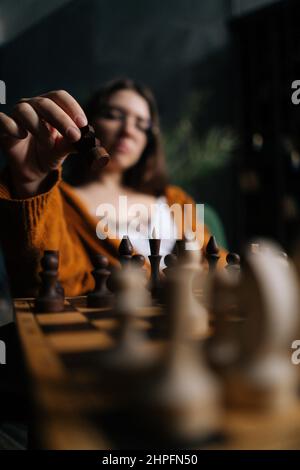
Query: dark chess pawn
[125,251]
[138,261]
[233,267]
[180,247]
[212,253]
[51,294]
[60,289]
[155,284]
[170,261]
[125,257]
[100,297]
[233,262]
[111,281]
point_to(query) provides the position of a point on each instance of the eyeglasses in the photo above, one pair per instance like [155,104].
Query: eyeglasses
[114,113]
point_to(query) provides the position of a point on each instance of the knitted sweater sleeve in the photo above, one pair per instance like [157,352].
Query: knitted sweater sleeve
[30,226]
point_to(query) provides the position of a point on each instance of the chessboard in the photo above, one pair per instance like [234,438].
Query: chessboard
[72,411]
[64,353]
[187,359]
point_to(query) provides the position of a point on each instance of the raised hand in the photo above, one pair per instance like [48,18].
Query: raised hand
[38,136]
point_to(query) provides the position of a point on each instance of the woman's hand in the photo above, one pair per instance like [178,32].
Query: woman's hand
[38,136]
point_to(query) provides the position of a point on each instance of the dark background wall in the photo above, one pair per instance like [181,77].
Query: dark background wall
[174,46]
[88,41]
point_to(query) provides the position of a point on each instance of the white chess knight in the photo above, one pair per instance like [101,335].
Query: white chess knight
[268,301]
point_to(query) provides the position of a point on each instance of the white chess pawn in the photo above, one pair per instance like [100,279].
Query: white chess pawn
[223,346]
[187,270]
[183,400]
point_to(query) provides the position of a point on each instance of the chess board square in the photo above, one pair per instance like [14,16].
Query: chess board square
[80,341]
[60,318]
[56,328]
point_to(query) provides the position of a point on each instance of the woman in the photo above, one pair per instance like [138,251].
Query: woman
[43,212]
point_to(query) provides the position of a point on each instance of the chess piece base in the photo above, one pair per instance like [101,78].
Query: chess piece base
[48,305]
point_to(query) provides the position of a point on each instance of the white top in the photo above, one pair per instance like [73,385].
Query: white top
[162,224]
[159,219]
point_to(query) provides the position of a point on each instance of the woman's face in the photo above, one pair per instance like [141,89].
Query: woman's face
[123,128]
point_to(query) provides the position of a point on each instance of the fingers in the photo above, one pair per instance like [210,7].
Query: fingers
[56,117]
[63,99]
[51,161]
[61,111]
[27,118]
[56,109]
[10,128]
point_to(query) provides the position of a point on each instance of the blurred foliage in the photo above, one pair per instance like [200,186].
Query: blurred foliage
[191,156]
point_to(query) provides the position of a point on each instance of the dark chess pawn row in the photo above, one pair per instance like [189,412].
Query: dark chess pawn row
[51,294]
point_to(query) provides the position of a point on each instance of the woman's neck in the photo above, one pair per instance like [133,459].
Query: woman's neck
[111,179]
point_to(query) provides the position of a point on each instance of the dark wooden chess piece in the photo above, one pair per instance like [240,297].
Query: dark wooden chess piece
[180,247]
[171,261]
[50,297]
[125,251]
[212,253]
[233,265]
[125,257]
[138,261]
[110,283]
[233,262]
[155,285]
[100,296]
[60,289]
[89,146]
